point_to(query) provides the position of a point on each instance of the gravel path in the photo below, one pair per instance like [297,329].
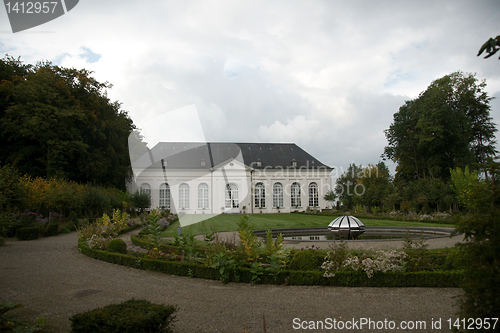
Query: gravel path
[52,279]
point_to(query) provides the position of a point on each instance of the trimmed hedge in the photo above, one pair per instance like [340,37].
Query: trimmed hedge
[117,245]
[437,279]
[132,316]
[27,233]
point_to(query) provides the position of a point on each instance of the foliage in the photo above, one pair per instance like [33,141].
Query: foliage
[129,316]
[224,264]
[491,47]
[12,194]
[381,261]
[272,246]
[330,196]
[28,233]
[436,279]
[257,270]
[12,326]
[276,264]
[463,185]
[188,248]
[57,122]
[155,228]
[248,239]
[416,253]
[447,126]
[100,233]
[306,260]
[481,251]
[141,200]
[335,258]
[117,245]
[346,186]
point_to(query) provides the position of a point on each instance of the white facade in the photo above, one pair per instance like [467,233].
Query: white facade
[233,187]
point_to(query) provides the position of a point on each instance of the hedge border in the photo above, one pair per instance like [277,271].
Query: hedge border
[434,279]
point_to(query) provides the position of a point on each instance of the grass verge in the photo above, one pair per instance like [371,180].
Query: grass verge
[229,222]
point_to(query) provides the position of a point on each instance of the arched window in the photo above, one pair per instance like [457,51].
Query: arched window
[295,189]
[232,196]
[260,195]
[278,195]
[313,195]
[165,195]
[183,196]
[203,196]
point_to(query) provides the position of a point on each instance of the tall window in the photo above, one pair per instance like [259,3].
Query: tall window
[145,188]
[260,195]
[277,195]
[165,195]
[203,196]
[231,196]
[183,196]
[295,189]
[313,195]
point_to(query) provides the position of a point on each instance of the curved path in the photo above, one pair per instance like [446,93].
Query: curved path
[52,279]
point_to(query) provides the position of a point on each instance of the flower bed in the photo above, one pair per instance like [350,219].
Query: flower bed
[269,263]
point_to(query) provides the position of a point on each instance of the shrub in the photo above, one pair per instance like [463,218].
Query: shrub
[28,233]
[117,245]
[2,241]
[141,200]
[8,225]
[306,260]
[248,239]
[132,316]
[52,229]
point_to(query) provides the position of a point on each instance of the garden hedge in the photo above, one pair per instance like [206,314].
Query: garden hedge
[438,279]
[132,316]
[27,233]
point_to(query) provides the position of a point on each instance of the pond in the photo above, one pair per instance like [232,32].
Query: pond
[370,234]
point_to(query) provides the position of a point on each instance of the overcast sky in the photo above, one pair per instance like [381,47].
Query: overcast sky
[326,75]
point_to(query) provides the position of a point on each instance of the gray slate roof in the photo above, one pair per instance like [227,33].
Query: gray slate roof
[191,155]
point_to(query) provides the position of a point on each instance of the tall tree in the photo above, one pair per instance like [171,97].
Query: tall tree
[58,122]
[347,186]
[447,126]
[377,183]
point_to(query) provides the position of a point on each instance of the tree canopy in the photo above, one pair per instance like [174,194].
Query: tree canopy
[59,122]
[447,126]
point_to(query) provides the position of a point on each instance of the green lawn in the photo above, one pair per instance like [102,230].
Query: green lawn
[229,222]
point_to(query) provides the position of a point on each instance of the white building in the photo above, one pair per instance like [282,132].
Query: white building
[211,178]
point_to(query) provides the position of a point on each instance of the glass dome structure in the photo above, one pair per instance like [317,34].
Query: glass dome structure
[347,227]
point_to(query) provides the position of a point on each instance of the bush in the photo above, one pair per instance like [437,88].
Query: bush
[141,200]
[2,241]
[8,225]
[132,316]
[52,229]
[28,233]
[306,260]
[117,245]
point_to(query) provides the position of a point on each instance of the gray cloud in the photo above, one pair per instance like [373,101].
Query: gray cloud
[327,75]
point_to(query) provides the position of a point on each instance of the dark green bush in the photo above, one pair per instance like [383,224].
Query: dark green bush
[141,200]
[51,230]
[306,260]
[8,225]
[28,233]
[2,241]
[117,245]
[132,316]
